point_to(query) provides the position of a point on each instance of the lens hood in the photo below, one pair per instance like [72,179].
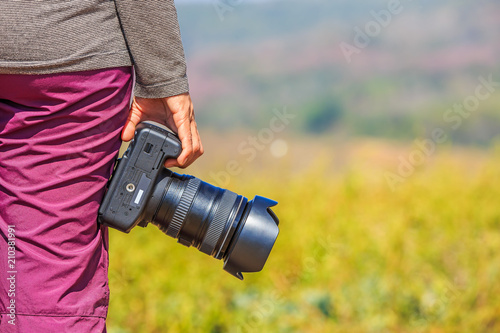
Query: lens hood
[254,238]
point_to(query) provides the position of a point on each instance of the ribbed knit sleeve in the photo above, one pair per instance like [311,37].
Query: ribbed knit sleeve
[152,35]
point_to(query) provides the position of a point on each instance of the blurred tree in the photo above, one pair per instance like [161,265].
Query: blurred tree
[321,116]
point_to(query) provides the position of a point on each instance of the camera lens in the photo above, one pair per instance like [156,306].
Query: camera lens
[218,222]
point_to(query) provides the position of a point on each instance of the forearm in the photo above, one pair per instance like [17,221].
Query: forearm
[151,31]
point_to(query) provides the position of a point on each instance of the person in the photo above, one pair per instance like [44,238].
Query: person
[67,71]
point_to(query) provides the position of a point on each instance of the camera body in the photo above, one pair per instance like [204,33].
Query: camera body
[218,222]
[136,174]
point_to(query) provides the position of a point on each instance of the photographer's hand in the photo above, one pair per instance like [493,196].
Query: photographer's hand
[177,113]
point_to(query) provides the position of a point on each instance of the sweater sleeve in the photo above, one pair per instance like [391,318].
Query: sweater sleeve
[151,31]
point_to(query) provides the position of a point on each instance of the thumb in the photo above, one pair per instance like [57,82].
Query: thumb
[134,118]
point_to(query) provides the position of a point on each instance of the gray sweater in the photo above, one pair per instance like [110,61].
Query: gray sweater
[54,36]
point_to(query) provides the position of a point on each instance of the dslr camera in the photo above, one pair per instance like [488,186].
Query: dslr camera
[216,221]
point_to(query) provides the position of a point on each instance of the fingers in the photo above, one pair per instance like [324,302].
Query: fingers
[187,131]
[197,145]
[192,147]
[183,124]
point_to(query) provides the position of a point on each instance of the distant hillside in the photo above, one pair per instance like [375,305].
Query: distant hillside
[248,58]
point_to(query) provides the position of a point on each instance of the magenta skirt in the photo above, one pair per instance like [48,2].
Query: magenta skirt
[59,136]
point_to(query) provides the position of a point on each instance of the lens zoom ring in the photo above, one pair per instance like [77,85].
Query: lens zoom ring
[219,221]
[183,207]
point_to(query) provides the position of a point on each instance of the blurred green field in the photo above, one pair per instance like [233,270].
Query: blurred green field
[352,255]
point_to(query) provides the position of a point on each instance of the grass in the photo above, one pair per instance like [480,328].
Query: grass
[352,255]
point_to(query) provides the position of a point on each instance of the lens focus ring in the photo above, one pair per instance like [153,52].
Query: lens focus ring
[183,207]
[216,227]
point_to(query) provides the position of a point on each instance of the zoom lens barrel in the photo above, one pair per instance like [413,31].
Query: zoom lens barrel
[216,221]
